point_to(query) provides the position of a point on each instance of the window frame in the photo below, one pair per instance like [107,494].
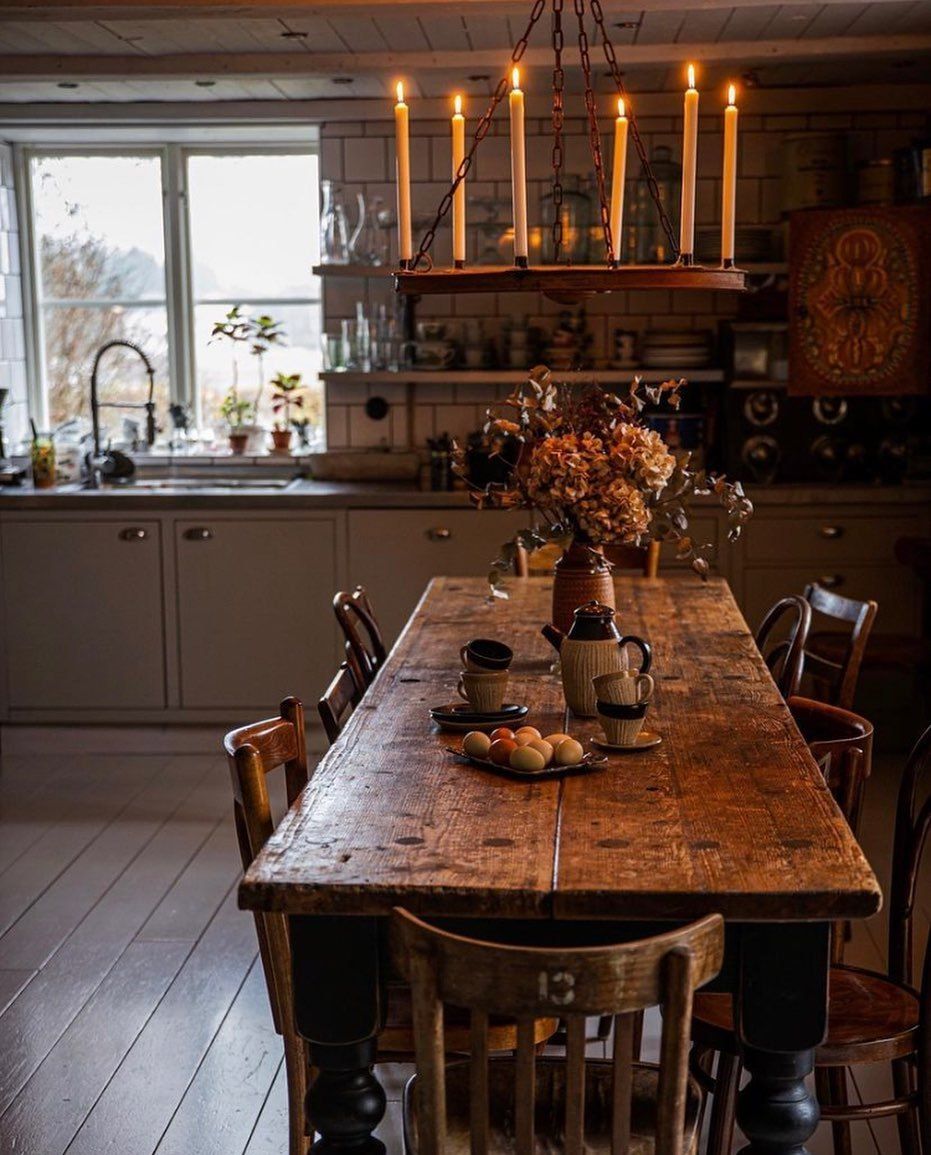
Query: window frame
[176,224]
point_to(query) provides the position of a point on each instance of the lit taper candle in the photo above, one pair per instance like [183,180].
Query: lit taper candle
[459,199]
[617,178]
[518,170]
[403,176]
[729,179]
[689,169]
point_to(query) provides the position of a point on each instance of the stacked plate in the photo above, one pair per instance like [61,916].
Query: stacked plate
[676,349]
[460,716]
[752,243]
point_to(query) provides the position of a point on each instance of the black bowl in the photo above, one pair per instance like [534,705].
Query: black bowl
[487,654]
[616,710]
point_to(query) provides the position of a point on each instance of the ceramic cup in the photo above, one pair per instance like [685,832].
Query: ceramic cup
[483,691]
[484,655]
[621,724]
[623,687]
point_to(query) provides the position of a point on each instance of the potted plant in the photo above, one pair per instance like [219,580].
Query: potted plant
[259,333]
[235,409]
[287,397]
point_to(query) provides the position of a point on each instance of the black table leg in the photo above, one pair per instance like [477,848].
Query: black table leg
[338,1003]
[782,1014]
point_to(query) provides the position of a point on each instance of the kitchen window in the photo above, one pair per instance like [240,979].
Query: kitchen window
[154,245]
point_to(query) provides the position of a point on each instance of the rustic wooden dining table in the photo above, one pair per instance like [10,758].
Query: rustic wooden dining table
[728,814]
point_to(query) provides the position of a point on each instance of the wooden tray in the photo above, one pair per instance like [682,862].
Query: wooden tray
[590,761]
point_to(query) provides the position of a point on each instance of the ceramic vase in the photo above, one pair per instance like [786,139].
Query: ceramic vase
[581,575]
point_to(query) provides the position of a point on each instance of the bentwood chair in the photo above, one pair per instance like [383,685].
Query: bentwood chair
[522,1104]
[834,664]
[790,619]
[365,647]
[873,1017]
[623,557]
[339,700]
[253,752]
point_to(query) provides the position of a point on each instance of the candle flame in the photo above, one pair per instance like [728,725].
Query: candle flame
[457,104]
[400,91]
[515,78]
[731,94]
[620,106]
[691,76]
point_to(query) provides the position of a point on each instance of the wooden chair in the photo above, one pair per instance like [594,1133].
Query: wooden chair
[342,696]
[253,752]
[786,658]
[872,1017]
[623,557]
[365,648]
[486,1106]
[834,666]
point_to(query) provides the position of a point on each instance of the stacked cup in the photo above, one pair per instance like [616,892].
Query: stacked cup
[484,679]
[622,699]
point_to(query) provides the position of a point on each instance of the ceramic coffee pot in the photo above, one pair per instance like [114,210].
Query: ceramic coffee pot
[592,646]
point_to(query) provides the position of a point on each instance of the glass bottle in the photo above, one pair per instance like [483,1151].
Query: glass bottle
[334,225]
[576,216]
[368,243]
[650,244]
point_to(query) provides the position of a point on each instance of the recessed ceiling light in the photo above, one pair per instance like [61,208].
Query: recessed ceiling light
[293,34]
[68,84]
[627,24]
[205,83]
[343,80]
[477,76]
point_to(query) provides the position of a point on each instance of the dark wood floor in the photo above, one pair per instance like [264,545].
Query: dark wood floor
[133,1014]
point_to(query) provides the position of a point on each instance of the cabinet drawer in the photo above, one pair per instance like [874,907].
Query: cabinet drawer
[893,587]
[827,539]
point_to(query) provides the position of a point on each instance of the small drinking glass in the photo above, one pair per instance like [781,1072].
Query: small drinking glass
[333,359]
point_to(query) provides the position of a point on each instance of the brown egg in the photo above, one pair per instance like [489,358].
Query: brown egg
[531,731]
[544,747]
[526,758]
[476,744]
[524,739]
[502,732]
[569,752]
[501,749]
[555,739]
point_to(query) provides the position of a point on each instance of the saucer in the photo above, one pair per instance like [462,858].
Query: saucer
[646,739]
[461,717]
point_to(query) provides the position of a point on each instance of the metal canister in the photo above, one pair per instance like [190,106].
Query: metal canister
[876,182]
[814,170]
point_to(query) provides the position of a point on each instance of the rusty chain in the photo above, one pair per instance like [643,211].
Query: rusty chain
[594,134]
[481,131]
[646,167]
[558,85]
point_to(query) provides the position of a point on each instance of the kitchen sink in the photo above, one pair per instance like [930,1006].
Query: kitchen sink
[192,484]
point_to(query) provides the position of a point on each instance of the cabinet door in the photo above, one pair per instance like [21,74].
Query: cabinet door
[254,610]
[83,614]
[395,552]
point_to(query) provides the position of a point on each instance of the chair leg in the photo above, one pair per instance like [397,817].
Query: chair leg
[831,1086]
[908,1123]
[723,1106]
[295,1062]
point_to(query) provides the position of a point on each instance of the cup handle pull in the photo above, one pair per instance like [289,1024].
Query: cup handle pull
[646,686]
[460,690]
[644,648]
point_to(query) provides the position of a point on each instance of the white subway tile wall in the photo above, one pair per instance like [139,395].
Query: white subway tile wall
[361,158]
[12,338]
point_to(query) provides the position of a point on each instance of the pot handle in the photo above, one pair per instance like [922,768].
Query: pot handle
[645,649]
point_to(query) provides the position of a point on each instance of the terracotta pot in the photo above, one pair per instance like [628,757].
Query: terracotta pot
[238,443]
[281,440]
[581,575]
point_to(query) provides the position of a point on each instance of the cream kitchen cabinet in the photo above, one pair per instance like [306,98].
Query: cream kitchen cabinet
[254,609]
[395,552]
[83,614]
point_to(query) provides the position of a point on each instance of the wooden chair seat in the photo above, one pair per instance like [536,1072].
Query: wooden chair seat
[884,651]
[549,1109]
[397,1037]
[867,1012]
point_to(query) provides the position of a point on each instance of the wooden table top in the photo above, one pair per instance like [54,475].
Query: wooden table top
[729,814]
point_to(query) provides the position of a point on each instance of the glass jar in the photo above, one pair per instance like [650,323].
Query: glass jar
[576,216]
[334,225]
[645,242]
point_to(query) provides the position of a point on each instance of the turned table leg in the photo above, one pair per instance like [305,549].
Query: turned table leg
[782,1014]
[338,1002]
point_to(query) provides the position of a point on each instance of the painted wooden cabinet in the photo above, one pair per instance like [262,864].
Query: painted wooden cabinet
[395,552]
[83,614]
[254,609]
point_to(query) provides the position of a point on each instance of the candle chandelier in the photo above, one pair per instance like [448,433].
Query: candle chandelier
[418,275]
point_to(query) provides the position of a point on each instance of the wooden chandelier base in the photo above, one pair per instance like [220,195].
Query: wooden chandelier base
[565,282]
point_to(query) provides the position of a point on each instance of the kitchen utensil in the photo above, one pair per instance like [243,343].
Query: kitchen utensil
[621,724]
[459,717]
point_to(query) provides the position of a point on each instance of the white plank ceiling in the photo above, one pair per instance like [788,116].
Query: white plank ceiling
[213,53]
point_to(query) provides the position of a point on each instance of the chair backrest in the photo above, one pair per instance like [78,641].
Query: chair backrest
[841,742]
[342,696]
[531,982]
[842,676]
[365,647]
[786,658]
[622,557]
[912,823]
[253,752]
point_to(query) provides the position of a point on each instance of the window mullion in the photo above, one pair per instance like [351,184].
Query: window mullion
[37,396]
[177,277]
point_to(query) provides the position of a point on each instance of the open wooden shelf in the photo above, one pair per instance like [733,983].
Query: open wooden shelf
[568,281]
[516,376]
